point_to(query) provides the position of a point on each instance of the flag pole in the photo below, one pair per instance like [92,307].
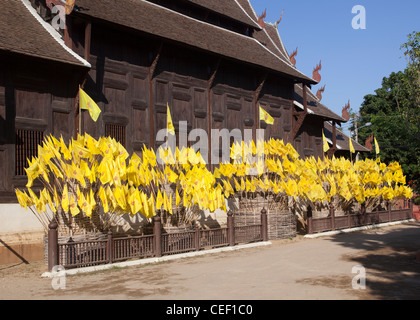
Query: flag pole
[80,114]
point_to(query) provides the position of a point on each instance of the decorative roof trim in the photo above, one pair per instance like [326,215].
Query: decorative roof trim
[256,24]
[298,104]
[281,42]
[236,34]
[53,33]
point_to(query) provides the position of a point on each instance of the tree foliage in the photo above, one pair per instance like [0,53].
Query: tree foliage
[394,111]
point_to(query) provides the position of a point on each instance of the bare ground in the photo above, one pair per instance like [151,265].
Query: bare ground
[297,269]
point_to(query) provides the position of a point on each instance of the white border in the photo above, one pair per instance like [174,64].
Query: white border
[56,36]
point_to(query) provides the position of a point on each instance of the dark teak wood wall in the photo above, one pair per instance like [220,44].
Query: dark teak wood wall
[133,77]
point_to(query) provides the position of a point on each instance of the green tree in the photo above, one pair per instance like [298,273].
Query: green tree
[394,111]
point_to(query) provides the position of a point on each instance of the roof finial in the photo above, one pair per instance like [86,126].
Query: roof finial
[292,57]
[368,143]
[344,113]
[278,21]
[69,6]
[315,75]
[261,19]
[319,93]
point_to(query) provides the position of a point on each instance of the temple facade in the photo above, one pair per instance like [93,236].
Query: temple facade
[213,62]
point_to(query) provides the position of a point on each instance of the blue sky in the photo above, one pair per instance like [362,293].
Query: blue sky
[354,62]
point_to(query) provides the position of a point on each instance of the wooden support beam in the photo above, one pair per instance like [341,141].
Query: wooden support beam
[257,94]
[152,69]
[88,40]
[209,107]
[301,115]
[88,37]
[333,149]
[305,98]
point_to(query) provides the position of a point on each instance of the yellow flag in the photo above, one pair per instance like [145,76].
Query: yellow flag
[325,142]
[351,146]
[65,201]
[73,207]
[266,117]
[177,198]
[159,200]
[377,146]
[170,126]
[165,202]
[103,197]
[87,103]
[22,198]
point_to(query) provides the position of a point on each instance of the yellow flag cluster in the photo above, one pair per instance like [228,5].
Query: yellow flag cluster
[87,174]
[283,172]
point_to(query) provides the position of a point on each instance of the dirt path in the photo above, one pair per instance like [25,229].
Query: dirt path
[289,269]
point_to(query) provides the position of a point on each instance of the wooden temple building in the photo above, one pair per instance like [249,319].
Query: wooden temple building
[214,62]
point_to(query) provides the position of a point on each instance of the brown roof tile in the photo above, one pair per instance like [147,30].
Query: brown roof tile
[315,106]
[21,32]
[271,38]
[275,37]
[342,140]
[167,24]
[230,9]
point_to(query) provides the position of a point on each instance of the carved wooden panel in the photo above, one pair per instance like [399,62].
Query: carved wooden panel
[200,100]
[62,125]
[161,92]
[141,128]
[115,100]
[31,104]
[218,102]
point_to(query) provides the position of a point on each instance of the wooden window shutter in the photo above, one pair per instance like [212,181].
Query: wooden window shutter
[27,142]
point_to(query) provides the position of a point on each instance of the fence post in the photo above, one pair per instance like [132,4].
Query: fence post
[332,216]
[52,245]
[309,215]
[231,228]
[363,212]
[389,211]
[411,207]
[157,232]
[110,247]
[197,238]
[264,225]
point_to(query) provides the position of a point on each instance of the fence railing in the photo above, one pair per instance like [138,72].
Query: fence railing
[362,218]
[96,252]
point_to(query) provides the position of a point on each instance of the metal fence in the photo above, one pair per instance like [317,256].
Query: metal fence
[96,252]
[362,218]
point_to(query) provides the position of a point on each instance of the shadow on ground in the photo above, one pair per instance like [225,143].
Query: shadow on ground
[389,257]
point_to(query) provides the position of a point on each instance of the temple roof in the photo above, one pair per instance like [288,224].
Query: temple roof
[230,9]
[342,140]
[274,35]
[23,31]
[167,24]
[314,105]
[269,36]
